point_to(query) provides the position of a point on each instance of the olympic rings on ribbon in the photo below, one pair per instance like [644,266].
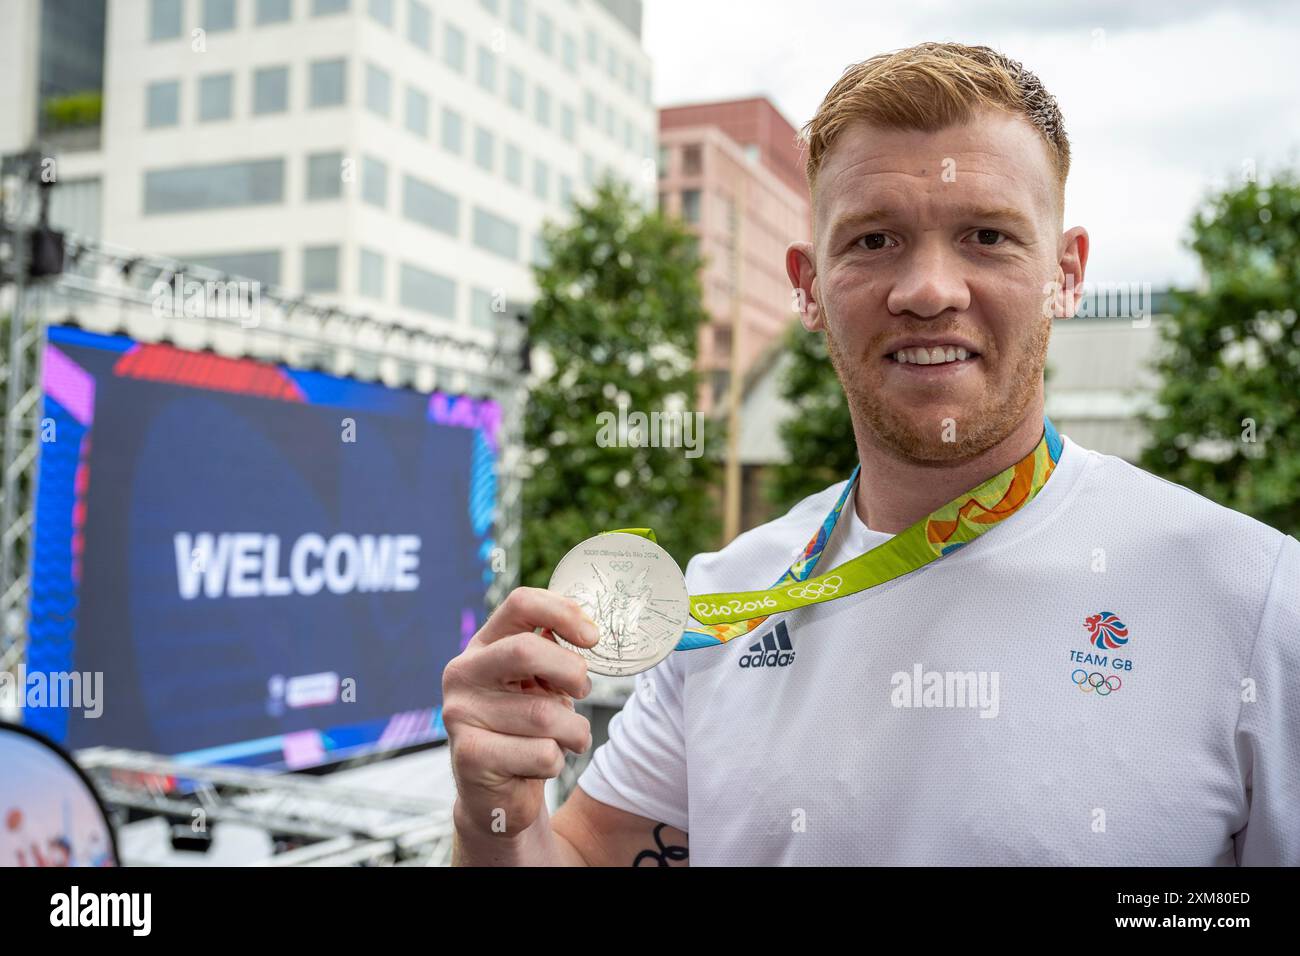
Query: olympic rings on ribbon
[1096,681]
[815,589]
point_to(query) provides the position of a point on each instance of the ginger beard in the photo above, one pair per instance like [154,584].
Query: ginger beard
[913,427]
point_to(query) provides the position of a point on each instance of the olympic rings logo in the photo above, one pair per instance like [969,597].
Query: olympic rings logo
[620,565]
[816,589]
[735,606]
[1096,682]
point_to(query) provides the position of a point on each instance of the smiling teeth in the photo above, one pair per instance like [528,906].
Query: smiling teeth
[938,355]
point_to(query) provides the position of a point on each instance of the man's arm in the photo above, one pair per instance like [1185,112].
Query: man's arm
[601,835]
[584,832]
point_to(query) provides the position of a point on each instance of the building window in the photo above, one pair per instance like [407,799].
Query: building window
[566,189]
[452,129]
[514,164]
[568,122]
[519,17]
[663,163]
[216,186]
[417,112]
[164,19]
[495,234]
[427,291]
[569,52]
[163,103]
[320,8]
[430,206]
[374,182]
[542,105]
[218,15]
[379,91]
[593,46]
[324,175]
[272,11]
[481,313]
[541,256]
[515,88]
[721,340]
[491,6]
[692,160]
[691,205]
[263,267]
[487,69]
[419,25]
[329,83]
[381,11]
[320,269]
[271,90]
[541,179]
[453,47]
[589,106]
[216,97]
[484,148]
[545,34]
[370,272]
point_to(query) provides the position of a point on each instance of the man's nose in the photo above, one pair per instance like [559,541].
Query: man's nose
[930,282]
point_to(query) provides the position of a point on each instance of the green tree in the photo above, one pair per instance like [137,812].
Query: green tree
[818,436]
[617,315]
[1227,417]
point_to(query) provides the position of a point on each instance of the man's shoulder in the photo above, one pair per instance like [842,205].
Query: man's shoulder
[756,558]
[1184,536]
[1151,504]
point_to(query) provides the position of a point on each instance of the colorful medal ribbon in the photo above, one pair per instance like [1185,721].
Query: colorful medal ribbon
[726,616]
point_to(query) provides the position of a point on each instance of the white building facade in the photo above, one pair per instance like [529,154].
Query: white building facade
[395,158]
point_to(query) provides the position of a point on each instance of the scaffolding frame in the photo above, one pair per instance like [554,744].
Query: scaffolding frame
[335,825]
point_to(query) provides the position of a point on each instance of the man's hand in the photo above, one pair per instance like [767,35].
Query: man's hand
[508,710]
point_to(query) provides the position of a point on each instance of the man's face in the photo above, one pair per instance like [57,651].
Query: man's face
[930,258]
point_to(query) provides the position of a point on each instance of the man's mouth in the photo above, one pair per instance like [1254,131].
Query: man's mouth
[942,354]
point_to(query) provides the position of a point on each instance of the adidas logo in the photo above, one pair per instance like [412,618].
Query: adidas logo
[773,650]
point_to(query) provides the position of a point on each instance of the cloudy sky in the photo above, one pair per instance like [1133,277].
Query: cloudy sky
[1162,98]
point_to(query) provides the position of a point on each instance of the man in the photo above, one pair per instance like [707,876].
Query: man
[1108,675]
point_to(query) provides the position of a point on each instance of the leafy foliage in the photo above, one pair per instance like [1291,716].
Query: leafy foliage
[1231,366]
[618,315]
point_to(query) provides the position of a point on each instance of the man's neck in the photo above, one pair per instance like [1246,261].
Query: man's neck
[893,494]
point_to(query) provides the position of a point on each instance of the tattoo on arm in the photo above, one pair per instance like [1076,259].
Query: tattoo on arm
[664,854]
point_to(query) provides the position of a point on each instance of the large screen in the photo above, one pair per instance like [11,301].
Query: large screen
[243,562]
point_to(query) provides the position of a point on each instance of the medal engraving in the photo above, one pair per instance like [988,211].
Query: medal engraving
[635,593]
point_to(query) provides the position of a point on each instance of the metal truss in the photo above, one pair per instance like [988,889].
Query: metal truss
[323,823]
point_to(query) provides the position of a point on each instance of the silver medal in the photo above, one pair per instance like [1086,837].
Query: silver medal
[636,594]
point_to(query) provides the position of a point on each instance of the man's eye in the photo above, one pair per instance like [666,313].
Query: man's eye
[874,240]
[988,237]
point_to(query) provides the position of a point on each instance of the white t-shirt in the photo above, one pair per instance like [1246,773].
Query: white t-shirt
[794,744]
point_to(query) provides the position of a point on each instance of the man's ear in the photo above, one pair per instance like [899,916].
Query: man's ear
[1070,270]
[800,266]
